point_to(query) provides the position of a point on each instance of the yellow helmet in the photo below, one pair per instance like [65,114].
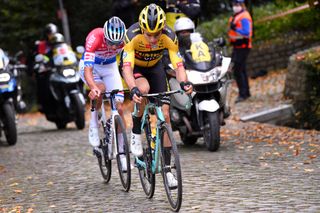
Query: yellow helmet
[152,18]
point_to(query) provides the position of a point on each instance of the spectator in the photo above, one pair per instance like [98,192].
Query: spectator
[240,34]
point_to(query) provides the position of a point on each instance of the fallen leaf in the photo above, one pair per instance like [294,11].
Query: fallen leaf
[18,191]
[195,207]
[30,210]
[308,170]
[50,183]
[52,206]
[14,184]
[312,156]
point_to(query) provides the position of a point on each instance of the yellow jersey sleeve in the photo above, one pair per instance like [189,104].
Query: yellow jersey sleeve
[171,42]
[128,53]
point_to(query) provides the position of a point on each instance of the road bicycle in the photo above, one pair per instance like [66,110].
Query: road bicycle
[110,143]
[153,159]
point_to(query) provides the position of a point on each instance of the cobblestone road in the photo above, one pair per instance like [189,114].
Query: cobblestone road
[259,168]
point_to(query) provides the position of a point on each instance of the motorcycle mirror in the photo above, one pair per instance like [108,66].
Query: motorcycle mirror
[221,42]
[39,58]
[80,49]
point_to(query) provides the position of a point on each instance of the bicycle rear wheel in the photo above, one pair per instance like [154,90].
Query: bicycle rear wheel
[147,178]
[123,153]
[104,162]
[174,193]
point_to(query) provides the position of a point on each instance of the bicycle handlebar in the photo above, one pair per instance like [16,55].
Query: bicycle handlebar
[161,94]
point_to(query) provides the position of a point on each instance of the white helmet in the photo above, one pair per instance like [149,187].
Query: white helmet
[184,23]
[114,30]
[57,38]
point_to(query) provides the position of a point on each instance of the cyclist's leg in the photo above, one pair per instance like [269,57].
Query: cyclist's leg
[94,123]
[143,85]
[112,80]
[157,80]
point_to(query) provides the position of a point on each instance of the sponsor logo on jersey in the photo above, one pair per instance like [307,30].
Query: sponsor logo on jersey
[125,54]
[90,41]
[89,56]
[179,64]
[148,56]
[125,64]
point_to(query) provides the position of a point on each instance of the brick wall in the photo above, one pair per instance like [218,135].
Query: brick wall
[274,56]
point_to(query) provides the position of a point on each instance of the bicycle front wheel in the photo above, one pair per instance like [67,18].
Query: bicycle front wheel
[170,163]
[147,178]
[104,162]
[123,157]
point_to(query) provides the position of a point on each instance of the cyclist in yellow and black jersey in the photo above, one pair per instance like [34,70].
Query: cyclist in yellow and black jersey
[143,69]
[141,52]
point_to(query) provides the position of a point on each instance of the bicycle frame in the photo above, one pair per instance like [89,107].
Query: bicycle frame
[155,168]
[110,96]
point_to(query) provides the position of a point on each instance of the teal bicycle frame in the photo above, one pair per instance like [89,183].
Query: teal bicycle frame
[155,167]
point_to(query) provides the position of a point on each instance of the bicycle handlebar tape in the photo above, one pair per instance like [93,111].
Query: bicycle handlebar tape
[133,91]
[136,127]
[93,105]
[182,84]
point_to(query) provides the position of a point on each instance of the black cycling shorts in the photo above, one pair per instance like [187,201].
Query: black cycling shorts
[156,77]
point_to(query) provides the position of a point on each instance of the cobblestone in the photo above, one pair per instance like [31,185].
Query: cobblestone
[253,171]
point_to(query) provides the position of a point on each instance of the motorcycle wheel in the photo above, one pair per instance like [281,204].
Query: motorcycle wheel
[212,134]
[9,123]
[61,124]
[188,140]
[79,111]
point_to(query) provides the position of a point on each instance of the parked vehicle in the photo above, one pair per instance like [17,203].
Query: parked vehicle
[61,98]
[202,113]
[10,96]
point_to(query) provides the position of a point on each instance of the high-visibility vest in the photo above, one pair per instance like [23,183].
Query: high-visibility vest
[240,41]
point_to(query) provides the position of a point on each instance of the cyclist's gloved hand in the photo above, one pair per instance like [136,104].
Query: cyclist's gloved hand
[135,91]
[186,86]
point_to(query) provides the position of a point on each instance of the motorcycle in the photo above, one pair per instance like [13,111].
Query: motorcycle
[202,113]
[61,100]
[10,96]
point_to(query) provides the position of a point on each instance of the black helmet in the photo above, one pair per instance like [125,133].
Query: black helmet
[51,28]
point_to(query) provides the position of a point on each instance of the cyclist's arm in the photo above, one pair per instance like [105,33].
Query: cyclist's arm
[89,57]
[177,62]
[128,64]
[176,59]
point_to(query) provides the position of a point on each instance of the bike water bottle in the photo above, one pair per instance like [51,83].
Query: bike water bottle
[153,138]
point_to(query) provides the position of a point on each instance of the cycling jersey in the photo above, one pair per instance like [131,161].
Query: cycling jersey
[138,51]
[97,50]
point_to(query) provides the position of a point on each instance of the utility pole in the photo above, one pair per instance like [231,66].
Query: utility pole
[65,25]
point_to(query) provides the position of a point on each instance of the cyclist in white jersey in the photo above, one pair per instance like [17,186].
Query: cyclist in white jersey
[99,70]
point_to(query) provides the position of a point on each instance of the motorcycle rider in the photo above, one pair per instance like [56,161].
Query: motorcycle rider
[99,70]
[183,27]
[240,34]
[143,69]
[185,8]
[44,48]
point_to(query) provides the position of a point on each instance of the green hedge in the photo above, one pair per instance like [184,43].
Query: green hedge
[308,111]
[292,25]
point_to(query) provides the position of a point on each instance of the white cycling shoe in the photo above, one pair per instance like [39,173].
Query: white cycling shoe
[94,136]
[136,146]
[172,181]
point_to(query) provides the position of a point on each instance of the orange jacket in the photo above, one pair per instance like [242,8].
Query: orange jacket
[237,39]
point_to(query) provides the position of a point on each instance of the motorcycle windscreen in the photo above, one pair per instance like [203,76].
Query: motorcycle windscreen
[199,57]
[181,101]
[63,55]
[4,60]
